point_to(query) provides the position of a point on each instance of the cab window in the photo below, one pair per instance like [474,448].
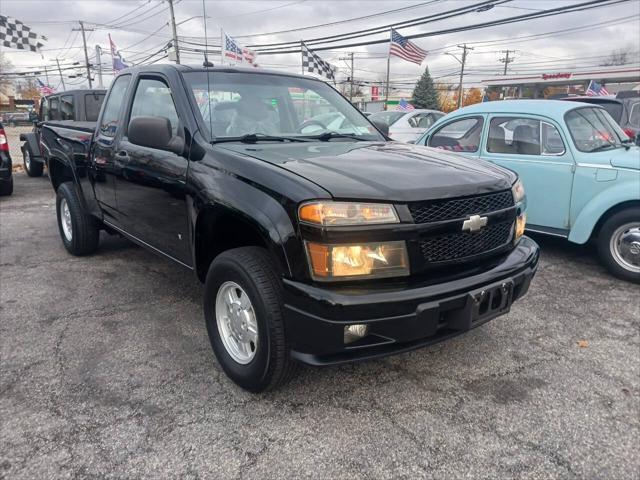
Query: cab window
[44,110]
[111,115]
[66,107]
[459,136]
[54,108]
[153,99]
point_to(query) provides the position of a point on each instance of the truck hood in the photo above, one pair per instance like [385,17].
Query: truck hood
[623,158]
[381,171]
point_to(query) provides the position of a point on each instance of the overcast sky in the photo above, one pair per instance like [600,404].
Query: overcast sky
[240,18]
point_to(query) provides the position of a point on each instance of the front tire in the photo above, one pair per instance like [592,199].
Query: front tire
[245,322]
[619,244]
[79,231]
[33,168]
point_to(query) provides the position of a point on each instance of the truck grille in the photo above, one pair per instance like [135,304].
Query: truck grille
[435,211]
[452,246]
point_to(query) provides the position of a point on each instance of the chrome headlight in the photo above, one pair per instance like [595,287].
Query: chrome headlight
[347,213]
[518,191]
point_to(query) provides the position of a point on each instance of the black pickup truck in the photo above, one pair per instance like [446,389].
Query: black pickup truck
[316,245]
[71,106]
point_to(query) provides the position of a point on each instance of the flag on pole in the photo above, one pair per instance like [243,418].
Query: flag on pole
[235,52]
[15,34]
[596,89]
[403,48]
[312,63]
[404,106]
[116,58]
[44,89]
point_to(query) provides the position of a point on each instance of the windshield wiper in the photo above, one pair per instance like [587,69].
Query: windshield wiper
[326,136]
[258,137]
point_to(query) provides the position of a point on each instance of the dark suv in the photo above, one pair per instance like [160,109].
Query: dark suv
[6,177]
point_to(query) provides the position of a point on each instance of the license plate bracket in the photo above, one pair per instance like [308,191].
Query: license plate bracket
[491,301]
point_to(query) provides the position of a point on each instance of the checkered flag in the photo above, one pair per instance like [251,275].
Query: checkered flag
[15,34]
[312,63]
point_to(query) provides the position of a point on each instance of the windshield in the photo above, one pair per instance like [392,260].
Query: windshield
[389,117]
[236,104]
[593,129]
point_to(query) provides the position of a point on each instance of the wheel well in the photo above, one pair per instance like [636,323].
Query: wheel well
[218,231]
[59,173]
[613,210]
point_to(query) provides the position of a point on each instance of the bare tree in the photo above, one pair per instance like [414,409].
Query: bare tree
[617,57]
[5,66]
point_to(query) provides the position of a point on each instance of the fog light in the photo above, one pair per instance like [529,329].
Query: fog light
[355,332]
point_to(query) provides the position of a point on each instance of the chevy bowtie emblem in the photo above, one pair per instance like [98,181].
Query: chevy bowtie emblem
[474,224]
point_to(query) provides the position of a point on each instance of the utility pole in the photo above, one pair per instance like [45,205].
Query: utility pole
[84,42]
[61,77]
[46,74]
[175,32]
[462,63]
[99,63]
[506,60]
[350,57]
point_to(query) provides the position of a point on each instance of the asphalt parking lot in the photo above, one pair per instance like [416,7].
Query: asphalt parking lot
[107,372]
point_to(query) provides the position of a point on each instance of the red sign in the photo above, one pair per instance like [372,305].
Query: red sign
[553,76]
[375,92]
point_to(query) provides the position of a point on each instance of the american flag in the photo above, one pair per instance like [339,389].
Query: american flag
[403,48]
[117,61]
[404,106]
[44,89]
[234,51]
[596,89]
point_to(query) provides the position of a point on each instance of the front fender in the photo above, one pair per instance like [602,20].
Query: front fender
[258,209]
[31,139]
[588,217]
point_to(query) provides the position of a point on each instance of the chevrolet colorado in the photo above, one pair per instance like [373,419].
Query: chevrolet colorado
[316,245]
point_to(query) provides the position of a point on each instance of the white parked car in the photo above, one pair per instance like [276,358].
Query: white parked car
[407,126]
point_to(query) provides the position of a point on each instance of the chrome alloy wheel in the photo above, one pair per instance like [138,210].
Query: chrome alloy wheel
[237,324]
[27,159]
[65,220]
[625,246]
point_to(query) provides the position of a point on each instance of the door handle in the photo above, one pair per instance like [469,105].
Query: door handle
[123,154]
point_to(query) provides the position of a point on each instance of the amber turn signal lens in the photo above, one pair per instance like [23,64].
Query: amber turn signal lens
[521,222]
[319,258]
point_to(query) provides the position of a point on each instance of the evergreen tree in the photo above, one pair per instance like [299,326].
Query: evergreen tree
[425,94]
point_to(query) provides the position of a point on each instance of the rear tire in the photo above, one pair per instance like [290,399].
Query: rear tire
[619,244]
[80,232]
[6,188]
[249,271]
[33,168]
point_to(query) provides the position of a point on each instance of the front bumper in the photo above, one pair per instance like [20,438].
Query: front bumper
[401,318]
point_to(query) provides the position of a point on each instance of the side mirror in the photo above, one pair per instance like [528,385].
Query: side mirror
[383,127]
[154,132]
[638,139]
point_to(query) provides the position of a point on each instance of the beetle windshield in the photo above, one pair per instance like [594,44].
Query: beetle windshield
[237,104]
[594,130]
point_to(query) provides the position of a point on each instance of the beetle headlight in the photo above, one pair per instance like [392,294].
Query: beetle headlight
[347,213]
[518,191]
[367,260]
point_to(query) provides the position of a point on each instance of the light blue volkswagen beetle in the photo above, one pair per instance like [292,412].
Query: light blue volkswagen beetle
[580,170]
